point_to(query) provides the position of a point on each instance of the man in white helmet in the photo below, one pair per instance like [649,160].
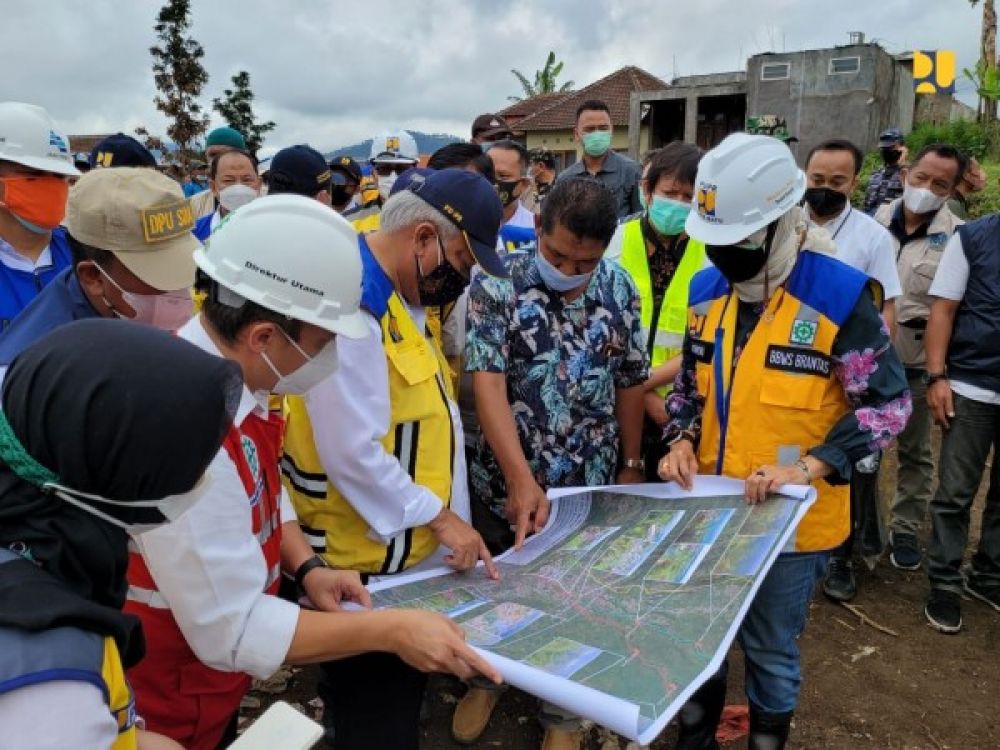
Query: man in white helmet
[285,276]
[392,153]
[35,168]
[787,377]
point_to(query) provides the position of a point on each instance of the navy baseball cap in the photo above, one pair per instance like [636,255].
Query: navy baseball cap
[300,170]
[348,166]
[890,137]
[407,178]
[471,204]
[120,150]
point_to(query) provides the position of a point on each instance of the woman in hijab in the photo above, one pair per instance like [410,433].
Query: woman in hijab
[106,429]
[787,377]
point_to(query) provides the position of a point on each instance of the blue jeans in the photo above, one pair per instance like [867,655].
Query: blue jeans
[769,633]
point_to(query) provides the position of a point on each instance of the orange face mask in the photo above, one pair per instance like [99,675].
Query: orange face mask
[38,203]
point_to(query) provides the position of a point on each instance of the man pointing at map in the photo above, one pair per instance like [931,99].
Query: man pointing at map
[787,377]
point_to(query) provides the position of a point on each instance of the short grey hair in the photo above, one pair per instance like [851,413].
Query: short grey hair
[405,209]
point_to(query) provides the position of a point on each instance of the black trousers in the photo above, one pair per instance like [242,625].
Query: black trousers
[372,701]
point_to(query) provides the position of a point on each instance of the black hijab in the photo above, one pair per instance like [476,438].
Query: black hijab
[112,408]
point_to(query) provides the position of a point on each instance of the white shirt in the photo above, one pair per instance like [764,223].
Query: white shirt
[209,568]
[349,413]
[522,218]
[950,282]
[56,715]
[866,245]
[17,262]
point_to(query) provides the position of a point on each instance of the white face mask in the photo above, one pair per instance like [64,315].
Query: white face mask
[168,311]
[385,183]
[921,200]
[235,196]
[315,370]
[171,507]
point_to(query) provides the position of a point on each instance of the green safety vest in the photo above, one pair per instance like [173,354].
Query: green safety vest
[670,320]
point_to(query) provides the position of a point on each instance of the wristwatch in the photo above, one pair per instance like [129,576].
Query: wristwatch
[930,378]
[313,562]
[634,463]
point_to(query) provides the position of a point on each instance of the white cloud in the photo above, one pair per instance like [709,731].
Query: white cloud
[332,73]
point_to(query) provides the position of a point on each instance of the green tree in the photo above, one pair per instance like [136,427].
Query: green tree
[985,76]
[545,80]
[179,76]
[236,108]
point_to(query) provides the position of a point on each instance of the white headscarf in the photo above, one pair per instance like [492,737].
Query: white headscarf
[790,235]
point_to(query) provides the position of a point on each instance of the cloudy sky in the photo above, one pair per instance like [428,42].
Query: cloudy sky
[333,72]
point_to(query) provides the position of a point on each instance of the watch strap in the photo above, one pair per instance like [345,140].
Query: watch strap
[313,562]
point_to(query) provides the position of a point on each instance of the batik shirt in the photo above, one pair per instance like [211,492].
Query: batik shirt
[563,362]
[872,376]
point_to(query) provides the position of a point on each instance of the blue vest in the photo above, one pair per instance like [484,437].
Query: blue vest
[203,227]
[974,349]
[61,302]
[19,288]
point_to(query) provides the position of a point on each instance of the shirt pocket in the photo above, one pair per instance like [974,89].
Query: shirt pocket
[922,274]
[413,360]
[788,390]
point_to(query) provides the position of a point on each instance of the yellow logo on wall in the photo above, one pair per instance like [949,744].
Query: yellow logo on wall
[934,72]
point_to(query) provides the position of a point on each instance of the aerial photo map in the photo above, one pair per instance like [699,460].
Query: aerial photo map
[625,603]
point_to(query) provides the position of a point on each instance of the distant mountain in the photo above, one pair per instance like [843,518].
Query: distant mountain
[427,143]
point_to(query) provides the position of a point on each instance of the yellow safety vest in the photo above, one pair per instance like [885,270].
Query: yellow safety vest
[365,220]
[783,395]
[421,437]
[671,319]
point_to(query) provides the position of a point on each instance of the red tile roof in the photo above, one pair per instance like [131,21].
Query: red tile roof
[558,111]
[516,112]
[78,143]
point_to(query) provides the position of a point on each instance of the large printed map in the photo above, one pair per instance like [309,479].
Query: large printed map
[625,603]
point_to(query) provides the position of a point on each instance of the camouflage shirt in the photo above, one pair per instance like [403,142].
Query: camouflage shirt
[885,185]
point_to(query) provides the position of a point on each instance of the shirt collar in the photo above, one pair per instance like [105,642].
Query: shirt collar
[194,333]
[17,262]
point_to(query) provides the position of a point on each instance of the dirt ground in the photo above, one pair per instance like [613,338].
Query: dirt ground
[862,688]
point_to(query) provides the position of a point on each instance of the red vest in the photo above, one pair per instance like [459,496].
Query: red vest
[176,694]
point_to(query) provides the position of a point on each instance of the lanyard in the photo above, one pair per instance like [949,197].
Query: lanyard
[723,389]
[849,209]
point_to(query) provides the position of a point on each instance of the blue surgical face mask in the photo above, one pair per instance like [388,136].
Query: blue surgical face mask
[555,279]
[668,216]
[597,142]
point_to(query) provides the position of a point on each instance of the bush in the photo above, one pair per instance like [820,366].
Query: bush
[987,201]
[971,137]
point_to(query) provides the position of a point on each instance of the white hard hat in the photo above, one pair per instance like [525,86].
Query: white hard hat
[394,147]
[743,184]
[292,255]
[28,137]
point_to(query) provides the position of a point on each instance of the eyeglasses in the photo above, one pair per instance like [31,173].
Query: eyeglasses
[384,170]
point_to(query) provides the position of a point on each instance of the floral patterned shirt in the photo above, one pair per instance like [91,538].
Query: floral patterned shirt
[866,365]
[563,362]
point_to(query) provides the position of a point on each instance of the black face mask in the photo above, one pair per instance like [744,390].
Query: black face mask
[340,196]
[736,263]
[740,264]
[890,155]
[825,202]
[505,189]
[442,285]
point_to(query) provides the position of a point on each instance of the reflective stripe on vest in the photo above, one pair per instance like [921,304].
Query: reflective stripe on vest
[170,662]
[420,436]
[671,322]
